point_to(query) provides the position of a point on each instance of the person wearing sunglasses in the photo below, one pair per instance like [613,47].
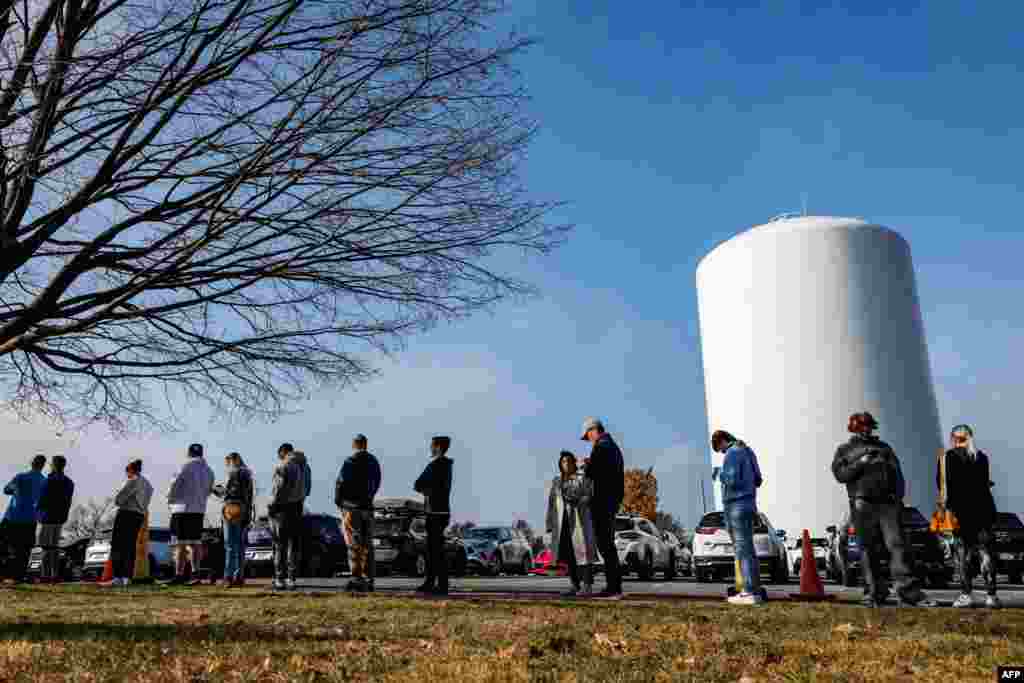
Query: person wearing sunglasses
[969,498]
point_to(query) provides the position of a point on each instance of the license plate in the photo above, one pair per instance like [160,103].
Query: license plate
[1007,556]
[376,542]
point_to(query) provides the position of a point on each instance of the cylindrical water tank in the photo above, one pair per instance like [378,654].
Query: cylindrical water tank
[805,321]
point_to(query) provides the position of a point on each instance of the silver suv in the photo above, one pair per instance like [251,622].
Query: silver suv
[161,563]
[643,549]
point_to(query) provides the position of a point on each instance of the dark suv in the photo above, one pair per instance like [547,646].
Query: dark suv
[925,552]
[323,554]
[400,542]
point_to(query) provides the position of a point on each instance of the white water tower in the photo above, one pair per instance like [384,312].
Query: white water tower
[804,321]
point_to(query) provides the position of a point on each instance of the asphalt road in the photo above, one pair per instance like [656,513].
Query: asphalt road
[540,587]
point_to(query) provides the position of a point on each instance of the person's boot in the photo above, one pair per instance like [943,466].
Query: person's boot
[425,587]
[993,602]
[913,596]
[588,580]
[572,592]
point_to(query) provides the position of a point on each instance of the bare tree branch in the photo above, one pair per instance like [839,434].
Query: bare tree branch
[237,201]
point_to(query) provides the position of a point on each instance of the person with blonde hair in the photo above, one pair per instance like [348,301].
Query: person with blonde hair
[969,498]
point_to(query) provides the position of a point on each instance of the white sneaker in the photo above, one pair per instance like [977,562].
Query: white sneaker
[964,600]
[744,599]
[992,602]
[290,584]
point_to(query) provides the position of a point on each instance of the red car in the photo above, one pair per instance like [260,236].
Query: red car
[542,566]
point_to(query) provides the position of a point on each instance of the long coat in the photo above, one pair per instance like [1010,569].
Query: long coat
[969,490]
[573,495]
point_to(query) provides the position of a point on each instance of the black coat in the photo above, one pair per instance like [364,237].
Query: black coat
[436,485]
[969,489]
[606,470]
[880,480]
[55,499]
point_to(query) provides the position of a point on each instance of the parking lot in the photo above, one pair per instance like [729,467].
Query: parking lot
[540,587]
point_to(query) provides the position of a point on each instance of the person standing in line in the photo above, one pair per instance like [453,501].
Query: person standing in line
[570,525]
[132,503]
[357,484]
[287,449]
[53,509]
[606,472]
[874,482]
[435,483]
[237,514]
[20,519]
[285,511]
[187,499]
[740,478]
[969,498]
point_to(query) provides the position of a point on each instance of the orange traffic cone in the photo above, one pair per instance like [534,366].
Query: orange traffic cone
[811,588]
[108,572]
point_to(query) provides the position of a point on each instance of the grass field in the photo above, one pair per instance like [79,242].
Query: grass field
[207,634]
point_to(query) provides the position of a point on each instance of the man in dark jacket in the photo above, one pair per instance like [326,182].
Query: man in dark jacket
[874,482]
[969,498]
[436,486]
[606,471]
[53,508]
[357,484]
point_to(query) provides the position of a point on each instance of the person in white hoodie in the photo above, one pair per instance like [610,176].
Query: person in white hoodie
[187,499]
[132,503]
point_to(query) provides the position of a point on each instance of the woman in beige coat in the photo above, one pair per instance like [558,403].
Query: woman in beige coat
[570,525]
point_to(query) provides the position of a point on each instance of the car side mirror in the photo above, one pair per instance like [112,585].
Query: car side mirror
[831,529]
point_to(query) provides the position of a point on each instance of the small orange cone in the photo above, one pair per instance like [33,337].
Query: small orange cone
[108,572]
[811,588]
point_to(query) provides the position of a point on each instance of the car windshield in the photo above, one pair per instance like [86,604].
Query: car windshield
[483,534]
[911,517]
[1008,520]
[260,535]
[623,524]
[388,527]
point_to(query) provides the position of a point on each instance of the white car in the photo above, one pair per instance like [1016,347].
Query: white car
[713,556]
[795,551]
[643,549]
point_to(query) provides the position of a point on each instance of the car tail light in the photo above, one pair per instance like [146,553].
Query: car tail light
[851,531]
[706,530]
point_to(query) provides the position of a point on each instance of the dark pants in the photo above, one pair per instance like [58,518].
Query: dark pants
[967,542]
[286,527]
[123,542]
[437,563]
[21,537]
[876,522]
[604,532]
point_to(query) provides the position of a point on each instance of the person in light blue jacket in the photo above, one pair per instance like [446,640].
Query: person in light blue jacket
[740,478]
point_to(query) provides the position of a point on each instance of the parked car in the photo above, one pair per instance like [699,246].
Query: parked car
[714,558]
[643,549]
[928,557]
[1009,542]
[400,540]
[97,552]
[680,551]
[543,565]
[498,550]
[795,553]
[323,551]
[70,560]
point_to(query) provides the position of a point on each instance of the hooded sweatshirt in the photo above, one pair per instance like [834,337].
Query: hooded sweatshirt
[24,490]
[192,486]
[134,495]
[290,483]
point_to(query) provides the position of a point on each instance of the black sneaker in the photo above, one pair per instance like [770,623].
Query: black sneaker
[355,586]
[425,588]
[571,593]
[440,592]
[608,595]
[176,581]
[913,597]
[869,602]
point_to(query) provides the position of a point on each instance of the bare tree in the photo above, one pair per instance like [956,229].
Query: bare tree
[89,517]
[236,201]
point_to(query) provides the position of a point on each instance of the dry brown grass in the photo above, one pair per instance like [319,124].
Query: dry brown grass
[87,634]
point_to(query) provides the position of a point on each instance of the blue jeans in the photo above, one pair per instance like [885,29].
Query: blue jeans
[234,550]
[739,519]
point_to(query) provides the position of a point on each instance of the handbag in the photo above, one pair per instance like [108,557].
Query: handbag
[943,520]
[232,512]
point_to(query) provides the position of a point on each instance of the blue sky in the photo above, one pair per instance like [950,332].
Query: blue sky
[667,130]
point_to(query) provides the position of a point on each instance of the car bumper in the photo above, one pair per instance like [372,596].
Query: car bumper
[719,563]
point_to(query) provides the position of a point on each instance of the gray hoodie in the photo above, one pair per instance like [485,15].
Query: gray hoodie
[290,484]
[134,495]
[192,486]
